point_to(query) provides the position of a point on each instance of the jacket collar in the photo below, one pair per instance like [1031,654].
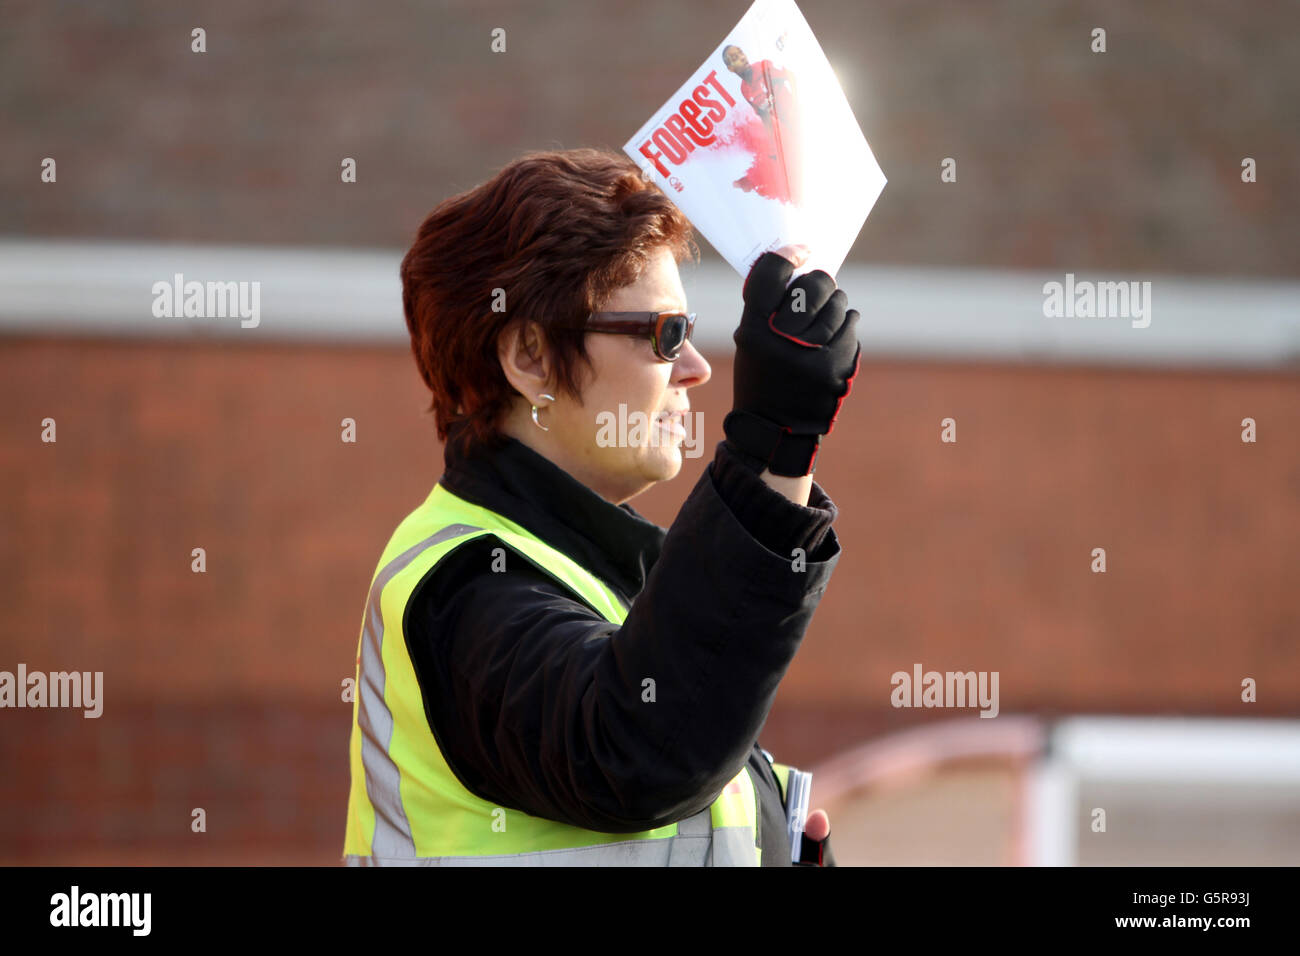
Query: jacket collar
[614,542]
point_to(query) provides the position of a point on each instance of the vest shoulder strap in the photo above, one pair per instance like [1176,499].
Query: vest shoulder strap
[443,511]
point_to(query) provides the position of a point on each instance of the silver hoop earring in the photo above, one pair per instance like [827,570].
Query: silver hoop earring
[535,421]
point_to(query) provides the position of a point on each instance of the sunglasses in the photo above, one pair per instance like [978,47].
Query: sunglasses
[668,331]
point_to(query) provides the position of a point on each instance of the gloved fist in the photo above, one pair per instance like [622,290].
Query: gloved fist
[815,849]
[796,358]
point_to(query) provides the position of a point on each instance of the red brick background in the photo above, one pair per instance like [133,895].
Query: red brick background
[1128,159]
[222,689]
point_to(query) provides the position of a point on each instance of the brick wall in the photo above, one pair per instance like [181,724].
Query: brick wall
[1128,159]
[222,689]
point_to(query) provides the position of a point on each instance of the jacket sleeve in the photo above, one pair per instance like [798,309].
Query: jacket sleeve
[540,704]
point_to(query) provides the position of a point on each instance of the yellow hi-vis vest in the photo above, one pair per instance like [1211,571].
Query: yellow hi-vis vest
[406,807]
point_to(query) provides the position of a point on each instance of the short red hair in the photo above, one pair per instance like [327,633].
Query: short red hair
[558,232]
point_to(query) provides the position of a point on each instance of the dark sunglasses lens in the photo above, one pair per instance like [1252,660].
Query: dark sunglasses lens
[672,335]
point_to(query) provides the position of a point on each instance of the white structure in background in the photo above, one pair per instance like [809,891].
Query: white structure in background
[1175,791]
[98,288]
[1203,770]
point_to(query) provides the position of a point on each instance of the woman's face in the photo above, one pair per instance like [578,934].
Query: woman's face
[628,431]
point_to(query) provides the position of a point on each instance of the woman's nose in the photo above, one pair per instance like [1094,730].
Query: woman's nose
[691,368]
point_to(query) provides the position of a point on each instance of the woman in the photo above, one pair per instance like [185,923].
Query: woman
[545,677]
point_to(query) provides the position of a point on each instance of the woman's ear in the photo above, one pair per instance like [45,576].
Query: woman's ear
[525,360]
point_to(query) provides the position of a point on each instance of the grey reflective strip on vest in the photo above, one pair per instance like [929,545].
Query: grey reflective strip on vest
[734,846]
[383,780]
[696,844]
[691,845]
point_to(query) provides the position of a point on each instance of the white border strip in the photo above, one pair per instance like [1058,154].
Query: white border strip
[1249,752]
[56,287]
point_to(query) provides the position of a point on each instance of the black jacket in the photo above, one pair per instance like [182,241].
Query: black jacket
[536,701]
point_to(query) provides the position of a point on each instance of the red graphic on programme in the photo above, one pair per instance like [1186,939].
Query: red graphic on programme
[773,138]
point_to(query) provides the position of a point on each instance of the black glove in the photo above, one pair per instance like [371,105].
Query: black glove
[816,852]
[793,368]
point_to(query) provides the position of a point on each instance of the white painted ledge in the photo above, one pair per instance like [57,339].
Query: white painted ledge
[57,287]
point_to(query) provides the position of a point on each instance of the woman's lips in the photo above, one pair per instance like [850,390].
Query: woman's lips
[672,422]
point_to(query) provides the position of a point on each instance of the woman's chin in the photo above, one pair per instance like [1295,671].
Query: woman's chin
[643,466]
[664,462]
[674,462]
